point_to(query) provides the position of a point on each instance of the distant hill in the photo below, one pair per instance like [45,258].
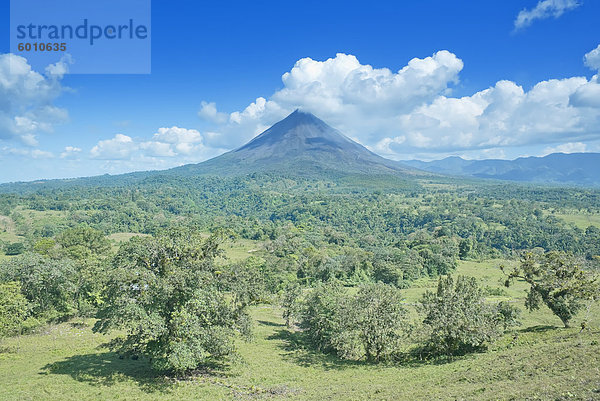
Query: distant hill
[299,144]
[556,168]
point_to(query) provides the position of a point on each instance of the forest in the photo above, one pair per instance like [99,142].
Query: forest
[177,278]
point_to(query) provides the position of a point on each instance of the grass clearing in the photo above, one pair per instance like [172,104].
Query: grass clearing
[8,230]
[582,220]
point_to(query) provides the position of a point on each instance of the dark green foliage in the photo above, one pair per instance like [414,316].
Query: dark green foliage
[457,320]
[322,317]
[245,281]
[291,303]
[15,248]
[367,325]
[48,284]
[83,242]
[556,280]
[464,248]
[507,314]
[397,267]
[165,293]
[14,309]
[379,319]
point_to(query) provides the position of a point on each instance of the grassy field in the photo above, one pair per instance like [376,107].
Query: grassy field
[581,220]
[8,231]
[539,361]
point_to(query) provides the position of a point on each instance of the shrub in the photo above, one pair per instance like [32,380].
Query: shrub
[16,248]
[367,325]
[379,320]
[456,318]
[14,309]
[321,315]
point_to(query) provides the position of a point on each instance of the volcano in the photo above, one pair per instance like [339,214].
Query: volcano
[299,144]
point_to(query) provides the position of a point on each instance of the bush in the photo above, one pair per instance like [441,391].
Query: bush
[321,316]
[456,318]
[379,320]
[14,309]
[16,248]
[368,325]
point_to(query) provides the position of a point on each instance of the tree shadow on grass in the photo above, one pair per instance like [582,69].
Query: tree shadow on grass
[299,351]
[537,329]
[269,323]
[106,369]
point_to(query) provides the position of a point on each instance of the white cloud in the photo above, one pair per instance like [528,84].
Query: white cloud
[118,148]
[208,111]
[592,59]
[571,147]
[412,111]
[544,9]
[355,98]
[28,153]
[176,135]
[504,115]
[26,98]
[587,95]
[178,144]
[157,149]
[70,151]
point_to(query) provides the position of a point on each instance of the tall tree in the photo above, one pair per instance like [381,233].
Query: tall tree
[556,280]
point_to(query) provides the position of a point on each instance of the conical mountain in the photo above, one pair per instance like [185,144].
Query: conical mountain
[299,144]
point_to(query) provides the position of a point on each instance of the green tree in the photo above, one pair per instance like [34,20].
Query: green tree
[321,317]
[367,325]
[50,285]
[82,242]
[379,320]
[457,320]
[164,292]
[556,280]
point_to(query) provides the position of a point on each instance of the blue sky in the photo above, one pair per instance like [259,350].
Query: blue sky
[423,79]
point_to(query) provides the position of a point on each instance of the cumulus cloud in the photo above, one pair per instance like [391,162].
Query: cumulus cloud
[176,143]
[354,97]
[70,151]
[26,98]
[504,115]
[208,111]
[412,111]
[119,147]
[592,59]
[544,9]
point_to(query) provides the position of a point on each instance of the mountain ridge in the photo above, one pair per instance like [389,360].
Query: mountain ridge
[556,168]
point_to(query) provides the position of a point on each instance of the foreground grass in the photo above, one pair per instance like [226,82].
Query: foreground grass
[540,361]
